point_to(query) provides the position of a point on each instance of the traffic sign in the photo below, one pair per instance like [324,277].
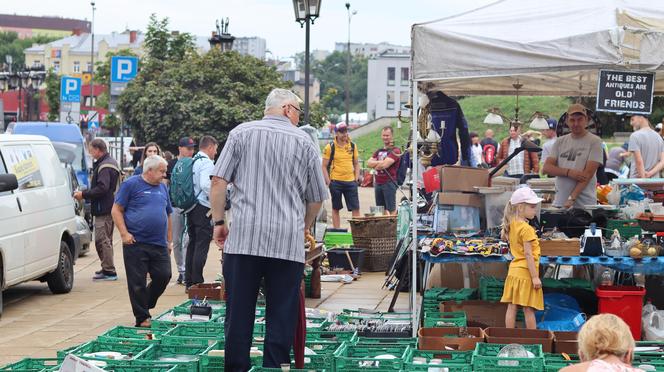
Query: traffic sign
[93,120]
[123,69]
[70,89]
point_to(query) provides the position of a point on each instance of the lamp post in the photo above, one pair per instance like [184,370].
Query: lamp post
[221,39]
[29,79]
[306,12]
[92,51]
[348,61]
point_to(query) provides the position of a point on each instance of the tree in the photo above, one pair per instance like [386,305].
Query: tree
[209,94]
[52,82]
[11,45]
[332,75]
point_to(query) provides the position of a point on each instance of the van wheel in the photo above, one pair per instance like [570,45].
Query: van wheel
[62,279]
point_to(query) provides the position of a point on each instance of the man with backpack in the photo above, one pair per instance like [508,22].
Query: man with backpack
[341,171]
[199,226]
[386,162]
[489,148]
[103,186]
[186,147]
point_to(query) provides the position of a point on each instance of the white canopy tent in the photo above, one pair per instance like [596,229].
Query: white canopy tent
[552,47]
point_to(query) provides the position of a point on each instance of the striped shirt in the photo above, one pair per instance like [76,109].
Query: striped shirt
[275,169]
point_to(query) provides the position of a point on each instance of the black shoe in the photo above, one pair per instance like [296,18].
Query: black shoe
[180,279]
[99,272]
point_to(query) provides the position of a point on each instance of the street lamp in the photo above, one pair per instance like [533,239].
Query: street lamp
[221,39]
[27,78]
[92,51]
[350,15]
[306,11]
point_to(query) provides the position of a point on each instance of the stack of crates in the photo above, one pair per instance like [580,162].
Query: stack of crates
[351,357]
[452,361]
[436,319]
[485,358]
[491,289]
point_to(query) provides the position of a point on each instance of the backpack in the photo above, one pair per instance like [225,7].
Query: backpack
[182,184]
[402,171]
[329,165]
[489,151]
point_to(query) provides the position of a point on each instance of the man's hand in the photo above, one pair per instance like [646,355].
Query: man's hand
[78,195]
[170,247]
[219,236]
[309,239]
[359,180]
[537,283]
[128,239]
[569,203]
[327,181]
[578,175]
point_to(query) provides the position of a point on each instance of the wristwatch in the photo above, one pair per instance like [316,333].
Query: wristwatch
[220,223]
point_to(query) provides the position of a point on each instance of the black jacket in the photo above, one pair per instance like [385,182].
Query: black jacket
[103,186]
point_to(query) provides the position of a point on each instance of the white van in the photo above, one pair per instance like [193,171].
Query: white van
[38,237]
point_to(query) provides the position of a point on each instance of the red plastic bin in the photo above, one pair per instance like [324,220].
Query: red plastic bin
[625,302]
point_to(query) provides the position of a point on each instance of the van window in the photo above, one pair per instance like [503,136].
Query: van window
[50,168]
[3,170]
[22,162]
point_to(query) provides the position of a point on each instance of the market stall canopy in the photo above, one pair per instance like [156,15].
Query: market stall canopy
[552,47]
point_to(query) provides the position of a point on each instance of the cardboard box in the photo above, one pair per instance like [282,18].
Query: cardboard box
[455,178]
[522,336]
[459,198]
[479,313]
[444,338]
[211,291]
[560,247]
[565,342]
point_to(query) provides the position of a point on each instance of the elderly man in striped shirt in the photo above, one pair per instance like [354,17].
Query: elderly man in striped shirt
[278,188]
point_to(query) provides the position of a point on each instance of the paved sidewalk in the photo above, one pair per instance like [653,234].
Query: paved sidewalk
[36,323]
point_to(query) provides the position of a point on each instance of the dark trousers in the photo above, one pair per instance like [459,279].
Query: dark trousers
[242,276]
[141,259]
[199,228]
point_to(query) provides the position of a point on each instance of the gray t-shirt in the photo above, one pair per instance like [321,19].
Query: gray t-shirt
[546,148]
[575,153]
[649,144]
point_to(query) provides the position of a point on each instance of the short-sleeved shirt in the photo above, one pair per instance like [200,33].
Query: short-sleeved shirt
[546,148]
[521,232]
[650,144]
[276,170]
[382,176]
[575,153]
[146,210]
[342,168]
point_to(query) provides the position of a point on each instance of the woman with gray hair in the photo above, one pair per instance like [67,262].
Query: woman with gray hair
[142,213]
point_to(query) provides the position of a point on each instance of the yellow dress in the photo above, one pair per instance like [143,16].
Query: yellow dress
[519,285]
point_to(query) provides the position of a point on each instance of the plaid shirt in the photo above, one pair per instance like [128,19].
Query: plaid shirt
[530,162]
[275,169]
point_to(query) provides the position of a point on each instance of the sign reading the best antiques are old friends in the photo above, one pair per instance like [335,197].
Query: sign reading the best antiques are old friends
[625,91]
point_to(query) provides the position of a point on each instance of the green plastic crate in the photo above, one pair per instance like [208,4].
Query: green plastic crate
[293,369]
[555,362]
[491,289]
[410,341]
[315,334]
[324,358]
[170,353]
[138,366]
[162,323]
[626,228]
[209,363]
[130,349]
[359,358]
[185,334]
[128,334]
[485,359]
[32,365]
[218,307]
[453,361]
[338,239]
[354,316]
[448,319]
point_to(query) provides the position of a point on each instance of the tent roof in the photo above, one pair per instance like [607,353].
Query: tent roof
[551,47]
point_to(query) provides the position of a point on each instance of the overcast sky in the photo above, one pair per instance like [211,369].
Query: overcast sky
[273,20]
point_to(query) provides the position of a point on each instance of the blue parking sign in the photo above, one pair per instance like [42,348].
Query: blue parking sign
[123,69]
[70,89]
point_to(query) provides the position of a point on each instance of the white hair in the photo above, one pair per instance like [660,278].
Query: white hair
[279,97]
[153,162]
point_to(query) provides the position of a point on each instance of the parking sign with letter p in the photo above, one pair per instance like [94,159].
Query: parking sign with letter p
[123,69]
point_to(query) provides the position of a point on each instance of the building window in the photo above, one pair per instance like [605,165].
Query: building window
[390,99]
[403,99]
[56,66]
[391,72]
[88,67]
[77,67]
[89,101]
[36,63]
[405,79]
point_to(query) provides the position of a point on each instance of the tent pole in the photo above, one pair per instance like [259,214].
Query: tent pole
[414,196]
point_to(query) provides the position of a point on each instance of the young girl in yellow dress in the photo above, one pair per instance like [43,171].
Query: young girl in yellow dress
[523,286]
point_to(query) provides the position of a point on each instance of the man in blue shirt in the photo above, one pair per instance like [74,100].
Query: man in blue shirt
[142,214]
[199,226]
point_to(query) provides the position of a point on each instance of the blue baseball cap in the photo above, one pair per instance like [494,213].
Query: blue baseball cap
[552,123]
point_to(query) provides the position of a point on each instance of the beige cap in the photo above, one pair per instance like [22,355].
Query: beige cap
[577,108]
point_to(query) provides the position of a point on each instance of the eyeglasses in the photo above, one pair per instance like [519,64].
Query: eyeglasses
[297,109]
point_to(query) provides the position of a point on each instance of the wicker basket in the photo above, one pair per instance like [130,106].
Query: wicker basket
[378,252]
[373,227]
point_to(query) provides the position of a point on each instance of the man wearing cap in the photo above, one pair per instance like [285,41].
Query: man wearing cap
[551,136]
[341,171]
[573,160]
[186,147]
[647,149]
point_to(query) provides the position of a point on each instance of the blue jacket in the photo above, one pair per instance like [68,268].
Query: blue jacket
[448,111]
